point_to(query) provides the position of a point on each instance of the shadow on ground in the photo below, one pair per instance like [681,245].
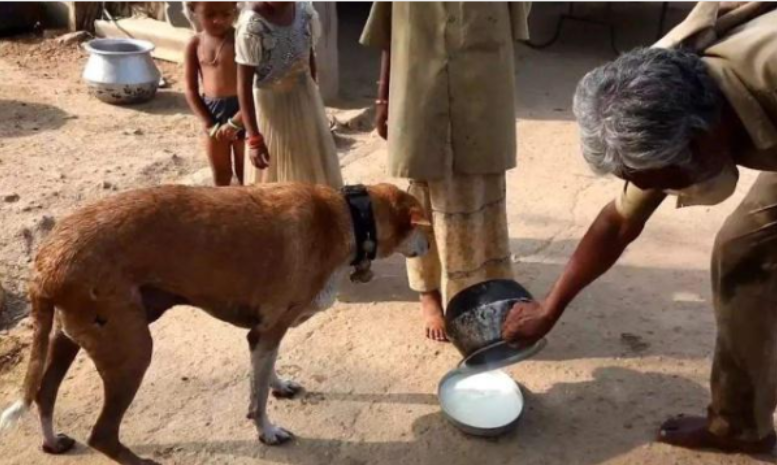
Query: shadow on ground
[615,396]
[611,309]
[19,119]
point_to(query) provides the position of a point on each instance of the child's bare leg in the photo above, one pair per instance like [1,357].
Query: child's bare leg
[220,157]
[434,317]
[238,153]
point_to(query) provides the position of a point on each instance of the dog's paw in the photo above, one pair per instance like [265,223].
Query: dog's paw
[285,389]
[62,444]
[275,435]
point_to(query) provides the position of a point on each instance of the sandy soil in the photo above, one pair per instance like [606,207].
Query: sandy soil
[634,348]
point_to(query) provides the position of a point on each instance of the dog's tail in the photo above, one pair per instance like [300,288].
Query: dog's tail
[43,321]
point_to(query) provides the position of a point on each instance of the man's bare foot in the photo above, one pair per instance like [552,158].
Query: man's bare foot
[692,433]
[434,318]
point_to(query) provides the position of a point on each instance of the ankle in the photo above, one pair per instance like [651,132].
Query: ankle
[431,297]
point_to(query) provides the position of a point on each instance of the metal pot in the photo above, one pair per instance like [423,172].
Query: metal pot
[121,71]
[473,323]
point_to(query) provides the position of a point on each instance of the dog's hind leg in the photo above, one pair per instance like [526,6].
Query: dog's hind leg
[264,351]
[62,352]
[121,349]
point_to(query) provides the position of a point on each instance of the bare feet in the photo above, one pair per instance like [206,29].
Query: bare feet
[692,433]
[434,318]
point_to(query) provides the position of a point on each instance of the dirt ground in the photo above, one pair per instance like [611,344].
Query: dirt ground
[633,349]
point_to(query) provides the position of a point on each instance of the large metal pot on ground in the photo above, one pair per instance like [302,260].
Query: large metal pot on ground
[121,71]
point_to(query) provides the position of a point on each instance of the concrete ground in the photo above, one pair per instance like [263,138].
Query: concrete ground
[632,350]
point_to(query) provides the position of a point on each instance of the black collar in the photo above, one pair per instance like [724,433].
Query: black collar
[360,206]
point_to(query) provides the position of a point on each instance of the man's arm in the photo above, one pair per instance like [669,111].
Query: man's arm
[598,251]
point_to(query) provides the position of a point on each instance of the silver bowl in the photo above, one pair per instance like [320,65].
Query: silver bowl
[448,408]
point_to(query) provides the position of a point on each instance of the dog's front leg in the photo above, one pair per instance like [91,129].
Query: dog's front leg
[264,351]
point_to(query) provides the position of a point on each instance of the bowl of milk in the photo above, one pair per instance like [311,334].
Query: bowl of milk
[486,403]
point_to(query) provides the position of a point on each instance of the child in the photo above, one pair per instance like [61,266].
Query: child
[288,133]
[450,124]
[210,58]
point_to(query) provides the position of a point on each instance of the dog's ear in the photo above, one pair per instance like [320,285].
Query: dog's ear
[419,219]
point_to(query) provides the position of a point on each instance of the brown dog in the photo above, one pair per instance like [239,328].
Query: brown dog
[263,258]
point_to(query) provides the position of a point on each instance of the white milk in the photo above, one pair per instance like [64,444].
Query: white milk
[483,400]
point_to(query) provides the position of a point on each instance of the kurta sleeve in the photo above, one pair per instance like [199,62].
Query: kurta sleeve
[636,204]
[377,31]
[519,19]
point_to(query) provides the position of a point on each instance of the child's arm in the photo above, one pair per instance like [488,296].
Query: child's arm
[245,94]
[230,130]
[382,103]
[192,77]
[257,149]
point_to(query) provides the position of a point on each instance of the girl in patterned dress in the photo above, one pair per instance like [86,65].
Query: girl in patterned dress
[288,132]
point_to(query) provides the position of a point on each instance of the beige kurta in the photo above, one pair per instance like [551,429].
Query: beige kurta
[471,240]
[452,129]
[452,78]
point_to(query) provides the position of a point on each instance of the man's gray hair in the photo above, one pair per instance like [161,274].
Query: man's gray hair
[640,111]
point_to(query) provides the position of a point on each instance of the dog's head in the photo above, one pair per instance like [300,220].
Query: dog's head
[402,225]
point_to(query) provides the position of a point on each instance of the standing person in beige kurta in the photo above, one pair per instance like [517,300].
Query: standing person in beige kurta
[446,100]
[678,119]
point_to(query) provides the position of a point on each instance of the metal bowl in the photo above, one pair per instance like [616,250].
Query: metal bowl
[474,318]
[451,407]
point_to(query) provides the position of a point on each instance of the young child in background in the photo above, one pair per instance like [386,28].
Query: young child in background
[288,132]
[210,62]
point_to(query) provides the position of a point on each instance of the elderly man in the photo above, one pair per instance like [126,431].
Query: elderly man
[446,100]
[677,119]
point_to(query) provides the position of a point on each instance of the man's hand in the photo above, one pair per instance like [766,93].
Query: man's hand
[381,119]
[527,323]
[259,155]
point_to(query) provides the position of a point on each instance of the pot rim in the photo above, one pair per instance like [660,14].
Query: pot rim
[144,47]
[519,356]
